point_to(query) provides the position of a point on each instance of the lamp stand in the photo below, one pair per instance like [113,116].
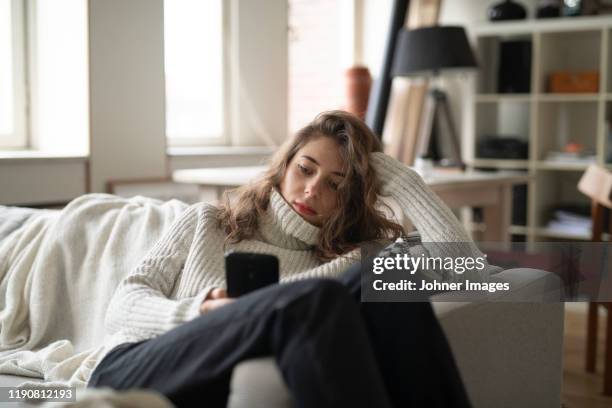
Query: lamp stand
[437,110]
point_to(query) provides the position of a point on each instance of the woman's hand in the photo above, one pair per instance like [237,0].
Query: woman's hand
[215,299]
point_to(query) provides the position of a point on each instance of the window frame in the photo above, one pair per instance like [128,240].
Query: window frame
[19,138]
[224,139]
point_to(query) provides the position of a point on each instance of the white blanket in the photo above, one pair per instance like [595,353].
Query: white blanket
[57,275]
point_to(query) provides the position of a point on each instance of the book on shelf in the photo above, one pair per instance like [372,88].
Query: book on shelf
[571,157]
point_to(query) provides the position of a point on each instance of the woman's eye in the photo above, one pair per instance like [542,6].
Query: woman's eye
[334,186]
[304,169]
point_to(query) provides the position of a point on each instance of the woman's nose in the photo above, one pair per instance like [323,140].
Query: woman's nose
[313,188]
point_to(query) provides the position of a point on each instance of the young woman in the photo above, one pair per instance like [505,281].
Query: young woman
[175,331]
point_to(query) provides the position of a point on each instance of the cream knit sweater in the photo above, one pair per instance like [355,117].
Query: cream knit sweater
[169,285]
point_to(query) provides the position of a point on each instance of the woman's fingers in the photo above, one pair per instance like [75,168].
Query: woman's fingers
[216,298]
[218,293]
[213,304]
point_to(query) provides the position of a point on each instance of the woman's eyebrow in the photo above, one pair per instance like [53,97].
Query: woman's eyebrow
[317,163]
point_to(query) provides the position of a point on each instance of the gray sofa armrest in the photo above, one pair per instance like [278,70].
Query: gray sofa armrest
[509,350]
[531,285]
[508,354]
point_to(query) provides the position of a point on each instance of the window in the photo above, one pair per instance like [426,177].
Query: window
[59,75]
[196,96]
[325,38]
[12,85]
[320,49]
[43,98]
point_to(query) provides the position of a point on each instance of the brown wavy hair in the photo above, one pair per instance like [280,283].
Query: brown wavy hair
[356,219]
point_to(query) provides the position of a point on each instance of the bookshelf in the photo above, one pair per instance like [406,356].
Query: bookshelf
[548,123]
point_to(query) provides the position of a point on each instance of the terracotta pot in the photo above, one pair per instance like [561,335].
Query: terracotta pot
[358,83]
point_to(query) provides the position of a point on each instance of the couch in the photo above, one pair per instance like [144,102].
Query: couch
[509,352]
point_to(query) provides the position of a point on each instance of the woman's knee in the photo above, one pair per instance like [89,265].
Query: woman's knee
[328,294]
[330,288]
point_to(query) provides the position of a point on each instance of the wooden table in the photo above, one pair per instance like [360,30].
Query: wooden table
[490,191]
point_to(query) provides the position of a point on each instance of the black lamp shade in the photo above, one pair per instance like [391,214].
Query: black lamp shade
[429,50]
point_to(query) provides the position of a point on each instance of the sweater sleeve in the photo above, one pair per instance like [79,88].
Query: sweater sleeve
[441,232]
[141,303]
[331,269]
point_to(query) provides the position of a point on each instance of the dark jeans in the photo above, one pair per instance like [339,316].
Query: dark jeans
[332,350]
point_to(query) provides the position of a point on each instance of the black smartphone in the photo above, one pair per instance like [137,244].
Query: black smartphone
[246,272]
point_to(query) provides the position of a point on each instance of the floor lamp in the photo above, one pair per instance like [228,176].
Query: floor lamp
[426,52]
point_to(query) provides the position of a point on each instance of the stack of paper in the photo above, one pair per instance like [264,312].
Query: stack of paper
[569,223]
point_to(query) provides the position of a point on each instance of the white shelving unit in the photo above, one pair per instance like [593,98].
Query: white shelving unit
[545,121]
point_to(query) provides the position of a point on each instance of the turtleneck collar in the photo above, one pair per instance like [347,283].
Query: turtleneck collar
[282,225]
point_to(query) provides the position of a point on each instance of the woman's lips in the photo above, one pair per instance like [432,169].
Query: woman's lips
[304,209]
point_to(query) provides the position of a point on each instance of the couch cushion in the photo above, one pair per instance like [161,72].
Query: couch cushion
[257,383]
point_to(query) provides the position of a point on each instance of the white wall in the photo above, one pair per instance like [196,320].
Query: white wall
[127,108]
[42,181]
[468,12]
[259,68]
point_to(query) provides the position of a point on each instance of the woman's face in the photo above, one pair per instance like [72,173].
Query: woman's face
[311,181]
